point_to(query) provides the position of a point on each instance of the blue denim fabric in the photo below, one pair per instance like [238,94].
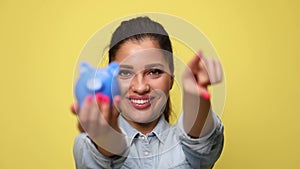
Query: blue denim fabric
[166,147]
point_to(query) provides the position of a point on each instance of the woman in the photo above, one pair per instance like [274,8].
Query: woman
[134,132]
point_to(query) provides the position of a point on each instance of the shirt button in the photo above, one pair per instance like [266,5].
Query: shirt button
[146,153]
[143,137]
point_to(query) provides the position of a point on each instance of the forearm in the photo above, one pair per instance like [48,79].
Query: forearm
[113,144]
[197,118]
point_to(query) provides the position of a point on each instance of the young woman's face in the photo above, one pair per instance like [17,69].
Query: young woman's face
[145,80]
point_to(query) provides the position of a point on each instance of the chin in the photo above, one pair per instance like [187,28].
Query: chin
[141,117]
[146,115]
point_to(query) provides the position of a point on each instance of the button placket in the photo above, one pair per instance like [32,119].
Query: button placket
[145,144]
[144,139]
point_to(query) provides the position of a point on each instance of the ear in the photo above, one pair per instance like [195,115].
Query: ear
[84,67]
[113,67]
[171,82]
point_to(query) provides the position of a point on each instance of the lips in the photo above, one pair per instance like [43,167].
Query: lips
[140,102]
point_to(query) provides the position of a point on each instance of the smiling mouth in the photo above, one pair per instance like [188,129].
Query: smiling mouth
[141,103]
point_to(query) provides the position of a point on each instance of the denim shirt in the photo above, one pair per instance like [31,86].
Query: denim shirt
[166,147]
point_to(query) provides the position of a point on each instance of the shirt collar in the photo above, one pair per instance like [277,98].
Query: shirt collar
[160,130]
[129,131]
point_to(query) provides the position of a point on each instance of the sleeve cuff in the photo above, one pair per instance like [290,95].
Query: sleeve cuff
[92,157]
[204,144]
[216,123]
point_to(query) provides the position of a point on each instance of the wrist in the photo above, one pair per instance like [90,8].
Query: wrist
[111,144]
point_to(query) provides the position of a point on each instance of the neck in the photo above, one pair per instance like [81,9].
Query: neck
[144,128]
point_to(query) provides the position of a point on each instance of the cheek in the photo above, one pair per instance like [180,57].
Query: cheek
[161,84]
[124,86]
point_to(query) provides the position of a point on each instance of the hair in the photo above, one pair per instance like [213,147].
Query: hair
[137,29]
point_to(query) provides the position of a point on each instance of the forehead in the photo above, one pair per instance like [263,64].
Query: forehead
[140,52]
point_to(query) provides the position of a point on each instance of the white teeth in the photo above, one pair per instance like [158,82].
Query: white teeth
[139,101]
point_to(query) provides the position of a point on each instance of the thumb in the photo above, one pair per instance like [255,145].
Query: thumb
[74,108]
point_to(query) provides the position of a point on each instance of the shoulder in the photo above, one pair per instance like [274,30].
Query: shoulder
[80,141]
[80,137]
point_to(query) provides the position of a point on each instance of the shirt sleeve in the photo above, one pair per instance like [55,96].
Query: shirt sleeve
[87,156]
[203,152]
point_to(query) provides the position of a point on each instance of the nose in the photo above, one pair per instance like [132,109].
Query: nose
[139,84]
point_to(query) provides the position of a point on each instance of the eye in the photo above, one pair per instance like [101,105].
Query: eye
[125,74]
[154,72]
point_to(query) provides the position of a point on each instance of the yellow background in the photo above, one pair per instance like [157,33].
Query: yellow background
[257,42]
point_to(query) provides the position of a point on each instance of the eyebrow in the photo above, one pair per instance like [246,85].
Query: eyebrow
[126,66]
[146,66]
[154,65]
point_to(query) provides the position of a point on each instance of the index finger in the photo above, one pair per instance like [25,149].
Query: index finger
[194,63]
